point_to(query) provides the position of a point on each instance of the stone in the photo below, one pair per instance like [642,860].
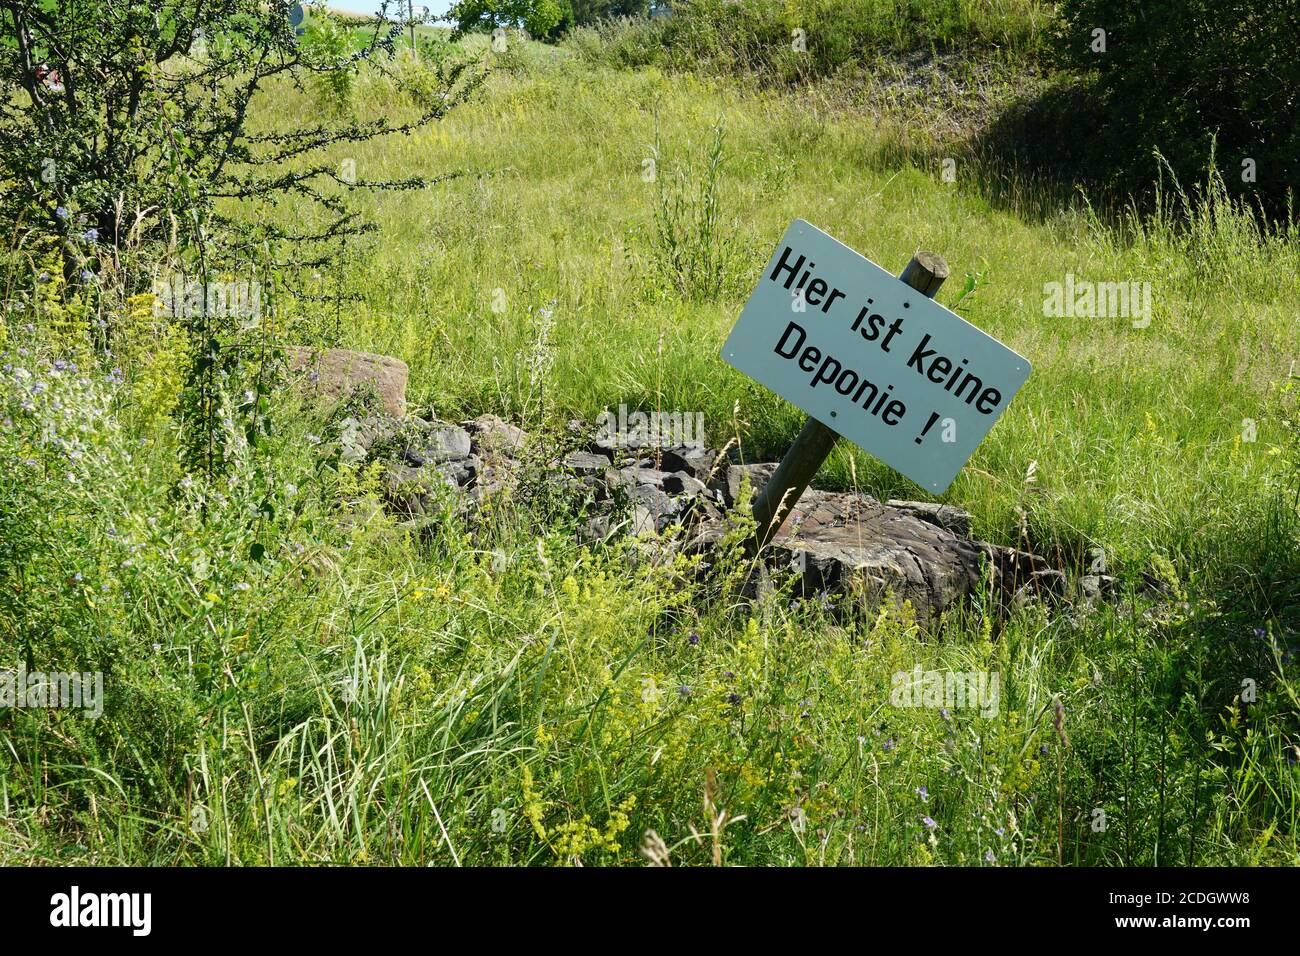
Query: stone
[854,544]
[682,483]
[947,517]
[434,442]
[336,374]
[492,436]
[358,436]
[696,462]
[758,476]
[585,463]
[1095,586]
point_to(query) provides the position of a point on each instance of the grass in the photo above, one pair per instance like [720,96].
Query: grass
[363,695]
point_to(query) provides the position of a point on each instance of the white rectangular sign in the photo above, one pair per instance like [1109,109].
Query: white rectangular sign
[871,358]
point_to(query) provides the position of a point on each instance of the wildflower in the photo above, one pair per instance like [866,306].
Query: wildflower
[91,235]
[1042,750]
[1259,632]
[929,822]
[87,275]
[60,212]
[693,638]
[733,699]
[1000,831]
[923,794]
[988,856]
[943,712]
[684,690]
[729,675]
[889,744]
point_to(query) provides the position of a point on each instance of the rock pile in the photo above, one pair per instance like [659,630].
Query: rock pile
[684,497]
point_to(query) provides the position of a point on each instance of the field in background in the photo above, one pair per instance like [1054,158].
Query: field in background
[362,695]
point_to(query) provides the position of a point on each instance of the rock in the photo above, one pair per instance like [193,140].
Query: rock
[696,462]
[631,478]
[435,442]
[854,544]
[758,476]
[585,463]
[944,516]
[358,436]
[681,483]
[335,374]
[494,437]
[1095,586]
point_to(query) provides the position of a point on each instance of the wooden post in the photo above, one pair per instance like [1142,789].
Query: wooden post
[925,273]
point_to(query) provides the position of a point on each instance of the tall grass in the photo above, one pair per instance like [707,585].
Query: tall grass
[354,692]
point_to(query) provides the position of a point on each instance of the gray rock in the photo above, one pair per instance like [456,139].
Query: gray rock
[491,436]
[585,463]
[1096,586]
[944,516]
[628,479]
[683,484]
[696,462]
[358,436]
[757,475]
[435,442]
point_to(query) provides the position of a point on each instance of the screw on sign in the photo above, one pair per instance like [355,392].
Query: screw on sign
[870,357]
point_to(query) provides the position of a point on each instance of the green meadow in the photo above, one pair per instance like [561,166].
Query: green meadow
[505,695]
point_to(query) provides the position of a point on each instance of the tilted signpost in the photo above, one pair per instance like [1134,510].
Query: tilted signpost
[870,357]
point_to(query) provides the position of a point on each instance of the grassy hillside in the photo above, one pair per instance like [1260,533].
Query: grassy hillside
[363,695]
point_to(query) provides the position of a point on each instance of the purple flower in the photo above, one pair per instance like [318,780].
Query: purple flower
[889,744]
[1259,632]
[733,699]
[87,275]
[60,212]
[923,794]
[693,638]
[91,235]
[929,822]
[729,675]
[988,856]
[943,712]
[684,690]
[1000,830]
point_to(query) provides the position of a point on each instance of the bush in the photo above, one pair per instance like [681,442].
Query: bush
[1192,77]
